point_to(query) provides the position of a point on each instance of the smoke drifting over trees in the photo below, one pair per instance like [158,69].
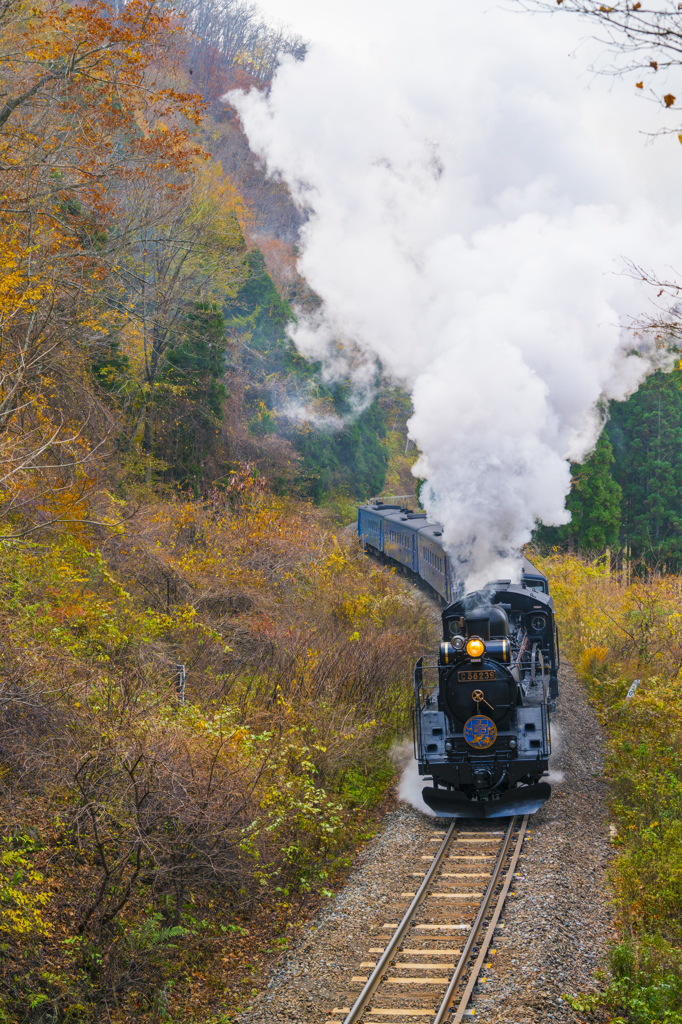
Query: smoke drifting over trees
[470,207]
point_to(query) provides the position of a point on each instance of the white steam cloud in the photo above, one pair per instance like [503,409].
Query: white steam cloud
[411,782]
[471,200]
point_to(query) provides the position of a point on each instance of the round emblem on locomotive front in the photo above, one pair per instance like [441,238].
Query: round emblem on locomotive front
[480,732]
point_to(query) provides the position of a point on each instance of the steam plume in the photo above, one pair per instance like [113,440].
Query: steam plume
[471,198]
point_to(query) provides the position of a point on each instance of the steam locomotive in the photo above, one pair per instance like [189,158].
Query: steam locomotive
[482,706]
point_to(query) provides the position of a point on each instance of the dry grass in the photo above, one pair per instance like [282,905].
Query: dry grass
[617,630]
[163,831]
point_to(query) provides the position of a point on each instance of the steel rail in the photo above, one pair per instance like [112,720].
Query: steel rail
[377,974]
[476,969]
[445,1007]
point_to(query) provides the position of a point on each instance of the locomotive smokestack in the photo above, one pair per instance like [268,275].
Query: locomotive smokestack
[478,624]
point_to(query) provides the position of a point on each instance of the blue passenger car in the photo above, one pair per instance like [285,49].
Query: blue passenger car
[410,539]
[434,564]
[401,531]
[415,542]
[371,524]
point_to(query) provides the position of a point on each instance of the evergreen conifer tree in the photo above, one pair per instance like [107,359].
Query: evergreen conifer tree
[191,396]
[646,433]
[595,501]
[354,458]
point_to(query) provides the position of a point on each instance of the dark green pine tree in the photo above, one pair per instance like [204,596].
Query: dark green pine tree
[260,313]
[354,458]
[190,396]
[594,503]
[646,433]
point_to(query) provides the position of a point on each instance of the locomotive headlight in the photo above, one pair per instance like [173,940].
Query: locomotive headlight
[458,643]
[475,647]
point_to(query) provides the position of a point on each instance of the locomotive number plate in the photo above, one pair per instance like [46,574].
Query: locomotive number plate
[481,675]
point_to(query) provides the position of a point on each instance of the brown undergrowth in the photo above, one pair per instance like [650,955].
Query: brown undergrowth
[624,635]
[157,848]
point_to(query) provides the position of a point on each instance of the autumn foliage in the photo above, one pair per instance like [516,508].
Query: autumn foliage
[162,826]
[624,634]
[143,823]
[101,168]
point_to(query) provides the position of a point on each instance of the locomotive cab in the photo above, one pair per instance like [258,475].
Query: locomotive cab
[482,730]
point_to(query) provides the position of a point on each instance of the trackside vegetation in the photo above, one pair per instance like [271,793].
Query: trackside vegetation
[617,630]
[200,683]
[155,844]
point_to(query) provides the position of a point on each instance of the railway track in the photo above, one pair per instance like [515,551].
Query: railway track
[427,971]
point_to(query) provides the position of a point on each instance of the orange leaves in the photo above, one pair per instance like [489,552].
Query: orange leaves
[111,66]
[639,85]
[91,103]
[669,99]
[106,198]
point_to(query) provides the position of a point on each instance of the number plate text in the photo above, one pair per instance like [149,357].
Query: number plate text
[482,675]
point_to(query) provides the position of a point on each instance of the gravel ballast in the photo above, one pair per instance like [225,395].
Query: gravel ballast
[556,925]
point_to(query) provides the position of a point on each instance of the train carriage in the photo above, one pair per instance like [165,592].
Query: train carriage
[371,524]
[401,531]
[416,543]
[434,563]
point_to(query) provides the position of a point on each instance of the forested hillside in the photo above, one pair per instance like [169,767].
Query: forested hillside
[625,497]
[149,268]
[200,683]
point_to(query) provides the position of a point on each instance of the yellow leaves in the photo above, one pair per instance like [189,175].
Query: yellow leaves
[612,624]
[21,286]
[669,99]
[22,895]
[356,608]
[240,736]
[586,599]
[591,659]
[336,561]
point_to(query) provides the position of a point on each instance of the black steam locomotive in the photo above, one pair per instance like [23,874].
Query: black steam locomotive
[482,707]
[482,711]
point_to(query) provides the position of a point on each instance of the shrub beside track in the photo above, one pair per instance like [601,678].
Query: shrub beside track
[617,630]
